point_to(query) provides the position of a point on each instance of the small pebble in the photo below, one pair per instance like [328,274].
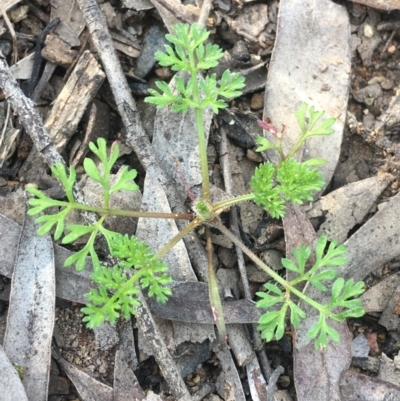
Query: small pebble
[360,347]
[163,73]
[376,80]
[392,49]
[255,59]
[257,101]
[387,84]
[254,156]
[368,32]
[3,182]
[397,361]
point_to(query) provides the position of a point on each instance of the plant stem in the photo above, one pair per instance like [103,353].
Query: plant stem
[106,186]
[154,215]
[218,224]
[124,287]
[131,213]
[297,145]
[215,299]
[166,248]
[229,202]
[201,136]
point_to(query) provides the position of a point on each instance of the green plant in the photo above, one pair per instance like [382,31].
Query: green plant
[272,187]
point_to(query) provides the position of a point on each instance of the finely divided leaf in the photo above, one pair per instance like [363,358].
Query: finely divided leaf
[272,324]
[125,180]
[213,53]
[301,117]
[92,171]
[67,181]
[264,143]
[298,181]
[264,194]
[50,220]
[302,254]
[314,116]
[290,265]
[77,231]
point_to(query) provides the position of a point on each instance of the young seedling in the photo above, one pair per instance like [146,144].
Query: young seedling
[272,187]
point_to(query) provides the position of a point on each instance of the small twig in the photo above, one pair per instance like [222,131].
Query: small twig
[12,33]
[37,63]
[272,383]
[30,118]
[205,11]
[163,357]
[226,169]
[3,133]
[179,11]
[32,122]
[44,79]
[37,11]
[258,343]
[387,44]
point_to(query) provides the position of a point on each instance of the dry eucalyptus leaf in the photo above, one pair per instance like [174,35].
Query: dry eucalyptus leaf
[358,387]
[88,388]
[190,303]
[348,206]
[316,373]
[386,5]
[315,70]
[375,243]
[126,385]
[31,312]
[10,383]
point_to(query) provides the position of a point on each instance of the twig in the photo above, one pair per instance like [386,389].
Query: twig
[204,12]
[37,63]
[5,124]
[387,44]
[44,79]
[30,118]
[32,122]
[163,357]
[179,11]
[12,33]
[37,11]
[226,169]
[272,383]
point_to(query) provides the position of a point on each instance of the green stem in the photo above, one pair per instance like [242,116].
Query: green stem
[215,299]
[106,186]
[279,149]
[172,242]
[154,215]
[233,201]
[124,287]
[201,136]
[129,213]
[218,224]
[297,145]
